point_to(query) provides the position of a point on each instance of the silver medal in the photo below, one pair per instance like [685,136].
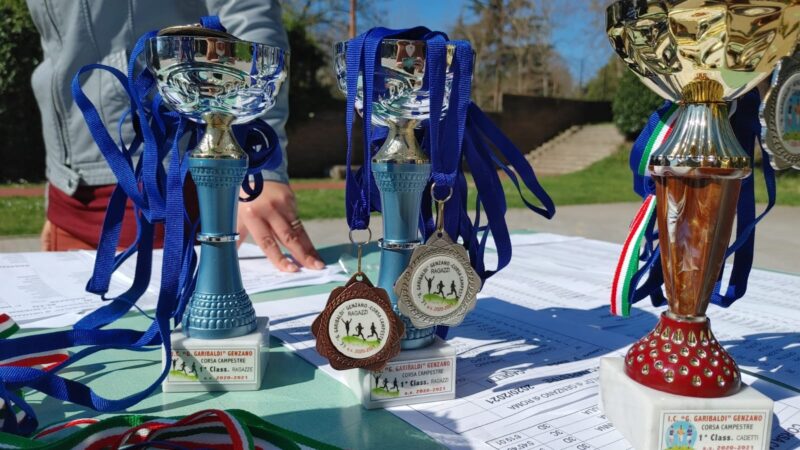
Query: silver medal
[780,115]
[439,286]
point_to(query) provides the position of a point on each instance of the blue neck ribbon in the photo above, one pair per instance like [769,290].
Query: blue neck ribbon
[466,137]
[157,197]
[649,278]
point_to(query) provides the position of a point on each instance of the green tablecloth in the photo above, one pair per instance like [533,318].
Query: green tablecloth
[294,395]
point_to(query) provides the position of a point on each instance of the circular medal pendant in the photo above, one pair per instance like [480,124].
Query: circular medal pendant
[780,116]
[358,328]
[439,286]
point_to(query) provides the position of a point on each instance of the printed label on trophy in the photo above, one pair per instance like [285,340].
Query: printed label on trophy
[714,430]
[438,285]
[358,328]
[413,378]
[229,365]
[789,114]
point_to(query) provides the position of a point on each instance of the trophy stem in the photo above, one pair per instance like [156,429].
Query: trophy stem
[698,172]
[401,171]
[219,308]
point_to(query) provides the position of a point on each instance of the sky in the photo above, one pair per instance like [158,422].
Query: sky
[573,35]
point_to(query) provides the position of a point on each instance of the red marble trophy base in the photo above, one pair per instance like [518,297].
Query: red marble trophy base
[683,357]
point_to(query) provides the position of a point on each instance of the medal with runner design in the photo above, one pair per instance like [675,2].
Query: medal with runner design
[357,328]
[439,286]
[780,115]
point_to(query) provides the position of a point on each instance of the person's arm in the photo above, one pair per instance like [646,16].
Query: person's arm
[271,219]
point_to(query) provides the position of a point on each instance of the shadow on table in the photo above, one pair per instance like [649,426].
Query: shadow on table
[784,435]
[354,427]
[108,379]
[773,355]
[537,338]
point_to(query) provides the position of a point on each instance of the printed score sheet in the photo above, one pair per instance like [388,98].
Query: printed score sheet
[528,355]
[48,289]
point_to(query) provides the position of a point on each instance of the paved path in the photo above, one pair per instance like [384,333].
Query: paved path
[777,240]
[576,149]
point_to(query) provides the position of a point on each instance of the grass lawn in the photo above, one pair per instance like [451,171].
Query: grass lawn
[21,215]
[606,181]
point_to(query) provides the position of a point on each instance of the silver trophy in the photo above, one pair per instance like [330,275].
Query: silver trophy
[213,78]
[402,171]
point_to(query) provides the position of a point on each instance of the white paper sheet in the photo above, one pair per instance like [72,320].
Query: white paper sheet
[528,354]
[526,379]
[48,290]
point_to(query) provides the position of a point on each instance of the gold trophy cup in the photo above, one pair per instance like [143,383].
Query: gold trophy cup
[700,54]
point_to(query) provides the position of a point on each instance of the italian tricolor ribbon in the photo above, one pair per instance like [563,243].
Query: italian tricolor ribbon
[629,260]
[207,429]
[628,264]
[662,130]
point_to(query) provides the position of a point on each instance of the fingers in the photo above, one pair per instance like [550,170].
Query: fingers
[296,241]
[241,228]
[264,237]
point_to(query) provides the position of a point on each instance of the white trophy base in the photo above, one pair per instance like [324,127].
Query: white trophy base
[651,419]
[414,376]
[204,365]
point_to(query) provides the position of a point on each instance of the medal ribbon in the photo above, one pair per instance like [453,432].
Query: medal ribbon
[157,196]
[640,256]
[465,135]
[9,408]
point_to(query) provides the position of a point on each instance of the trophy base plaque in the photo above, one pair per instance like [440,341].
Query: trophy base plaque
[414,376]
[204,365]
[651,419]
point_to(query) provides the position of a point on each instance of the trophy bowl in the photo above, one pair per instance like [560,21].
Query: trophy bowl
[672,44]
[197,75]
[701,54]
[402,94]
[213,78]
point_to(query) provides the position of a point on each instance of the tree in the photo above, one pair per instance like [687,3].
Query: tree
[604,85]
[633,104]
[514,55]
[20,123]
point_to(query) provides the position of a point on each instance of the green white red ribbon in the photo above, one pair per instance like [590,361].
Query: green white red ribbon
[660,134]
[208,429]
[628,263]
[7,326]
[629,260]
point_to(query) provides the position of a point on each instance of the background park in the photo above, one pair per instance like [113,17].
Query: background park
[544,71]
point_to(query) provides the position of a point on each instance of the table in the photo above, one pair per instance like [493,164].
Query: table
[549,305]
[294,394]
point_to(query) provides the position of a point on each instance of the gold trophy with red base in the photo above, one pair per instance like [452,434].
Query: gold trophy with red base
[700,54]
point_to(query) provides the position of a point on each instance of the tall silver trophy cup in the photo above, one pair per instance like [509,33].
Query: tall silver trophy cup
[213,78]
[401,170]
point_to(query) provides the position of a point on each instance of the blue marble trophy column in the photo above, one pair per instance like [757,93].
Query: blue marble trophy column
[401,171]
[219,308]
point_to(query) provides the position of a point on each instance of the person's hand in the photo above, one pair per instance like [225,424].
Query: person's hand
[272,220]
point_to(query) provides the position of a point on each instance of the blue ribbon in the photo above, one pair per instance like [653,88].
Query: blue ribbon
[466,135]
[157,196]
[747,128]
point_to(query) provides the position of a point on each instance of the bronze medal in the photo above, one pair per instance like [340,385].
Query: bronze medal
[358,328]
